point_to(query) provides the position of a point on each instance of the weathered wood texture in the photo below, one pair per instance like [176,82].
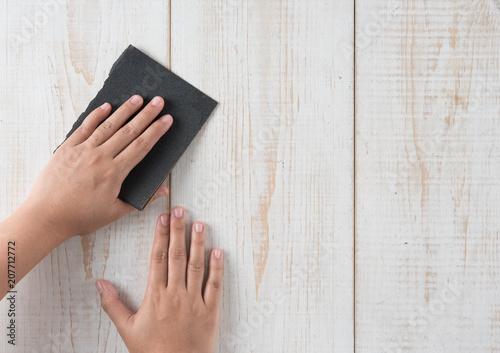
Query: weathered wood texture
[427,163]
[49,73]
[271,173]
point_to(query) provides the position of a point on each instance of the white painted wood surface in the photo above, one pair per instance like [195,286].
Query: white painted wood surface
[48,79]
[271,173]
[427,163]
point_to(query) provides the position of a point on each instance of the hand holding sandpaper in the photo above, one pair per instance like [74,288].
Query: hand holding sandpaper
[136,73]
[78,192]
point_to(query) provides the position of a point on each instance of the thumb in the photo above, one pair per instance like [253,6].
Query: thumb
[113,306]
[161,192]
[124,208]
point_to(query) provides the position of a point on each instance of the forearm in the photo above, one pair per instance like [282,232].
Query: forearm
[26,237]
[77,191]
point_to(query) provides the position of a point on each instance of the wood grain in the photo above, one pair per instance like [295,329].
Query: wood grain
[271,173]
[427,191]
[53,61]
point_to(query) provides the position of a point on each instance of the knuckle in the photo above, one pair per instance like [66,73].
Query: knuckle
[195,266]
[163,231]
[157,128]
[128,130]
[179,225]
[160,256]
[177,254]
[142,144]
[95,160]
[107,303]
[107,125]
[85,129]
[216,284]
[110,175]
[72,154]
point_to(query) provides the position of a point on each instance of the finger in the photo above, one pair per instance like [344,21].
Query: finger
[111,125]
[134,128]
[113,306]
[140,147]
[214,281]
[89,125]
[196,262]
[177,253]
[158,266]
[124,208]
[161,192]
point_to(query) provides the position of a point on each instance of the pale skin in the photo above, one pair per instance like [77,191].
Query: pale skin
[77,193]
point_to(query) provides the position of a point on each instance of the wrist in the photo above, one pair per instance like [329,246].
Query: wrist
[46,220]
[33,234]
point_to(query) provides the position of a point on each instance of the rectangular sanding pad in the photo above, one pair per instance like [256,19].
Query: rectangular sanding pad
[136,73]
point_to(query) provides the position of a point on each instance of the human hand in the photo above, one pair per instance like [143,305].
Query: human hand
[174,316]
[78,189]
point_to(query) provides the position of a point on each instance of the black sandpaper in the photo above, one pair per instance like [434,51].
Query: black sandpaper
[136,73]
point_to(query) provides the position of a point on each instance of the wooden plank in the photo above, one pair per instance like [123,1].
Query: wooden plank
[427,163]
[55,57]
[271,173]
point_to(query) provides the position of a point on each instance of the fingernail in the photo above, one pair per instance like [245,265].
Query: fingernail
[156,101]
[178,212]
[167,119]
[198,227]
[217,253]
[164,219]
[99,286]
[135,100]
[104,106]
[161,192]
